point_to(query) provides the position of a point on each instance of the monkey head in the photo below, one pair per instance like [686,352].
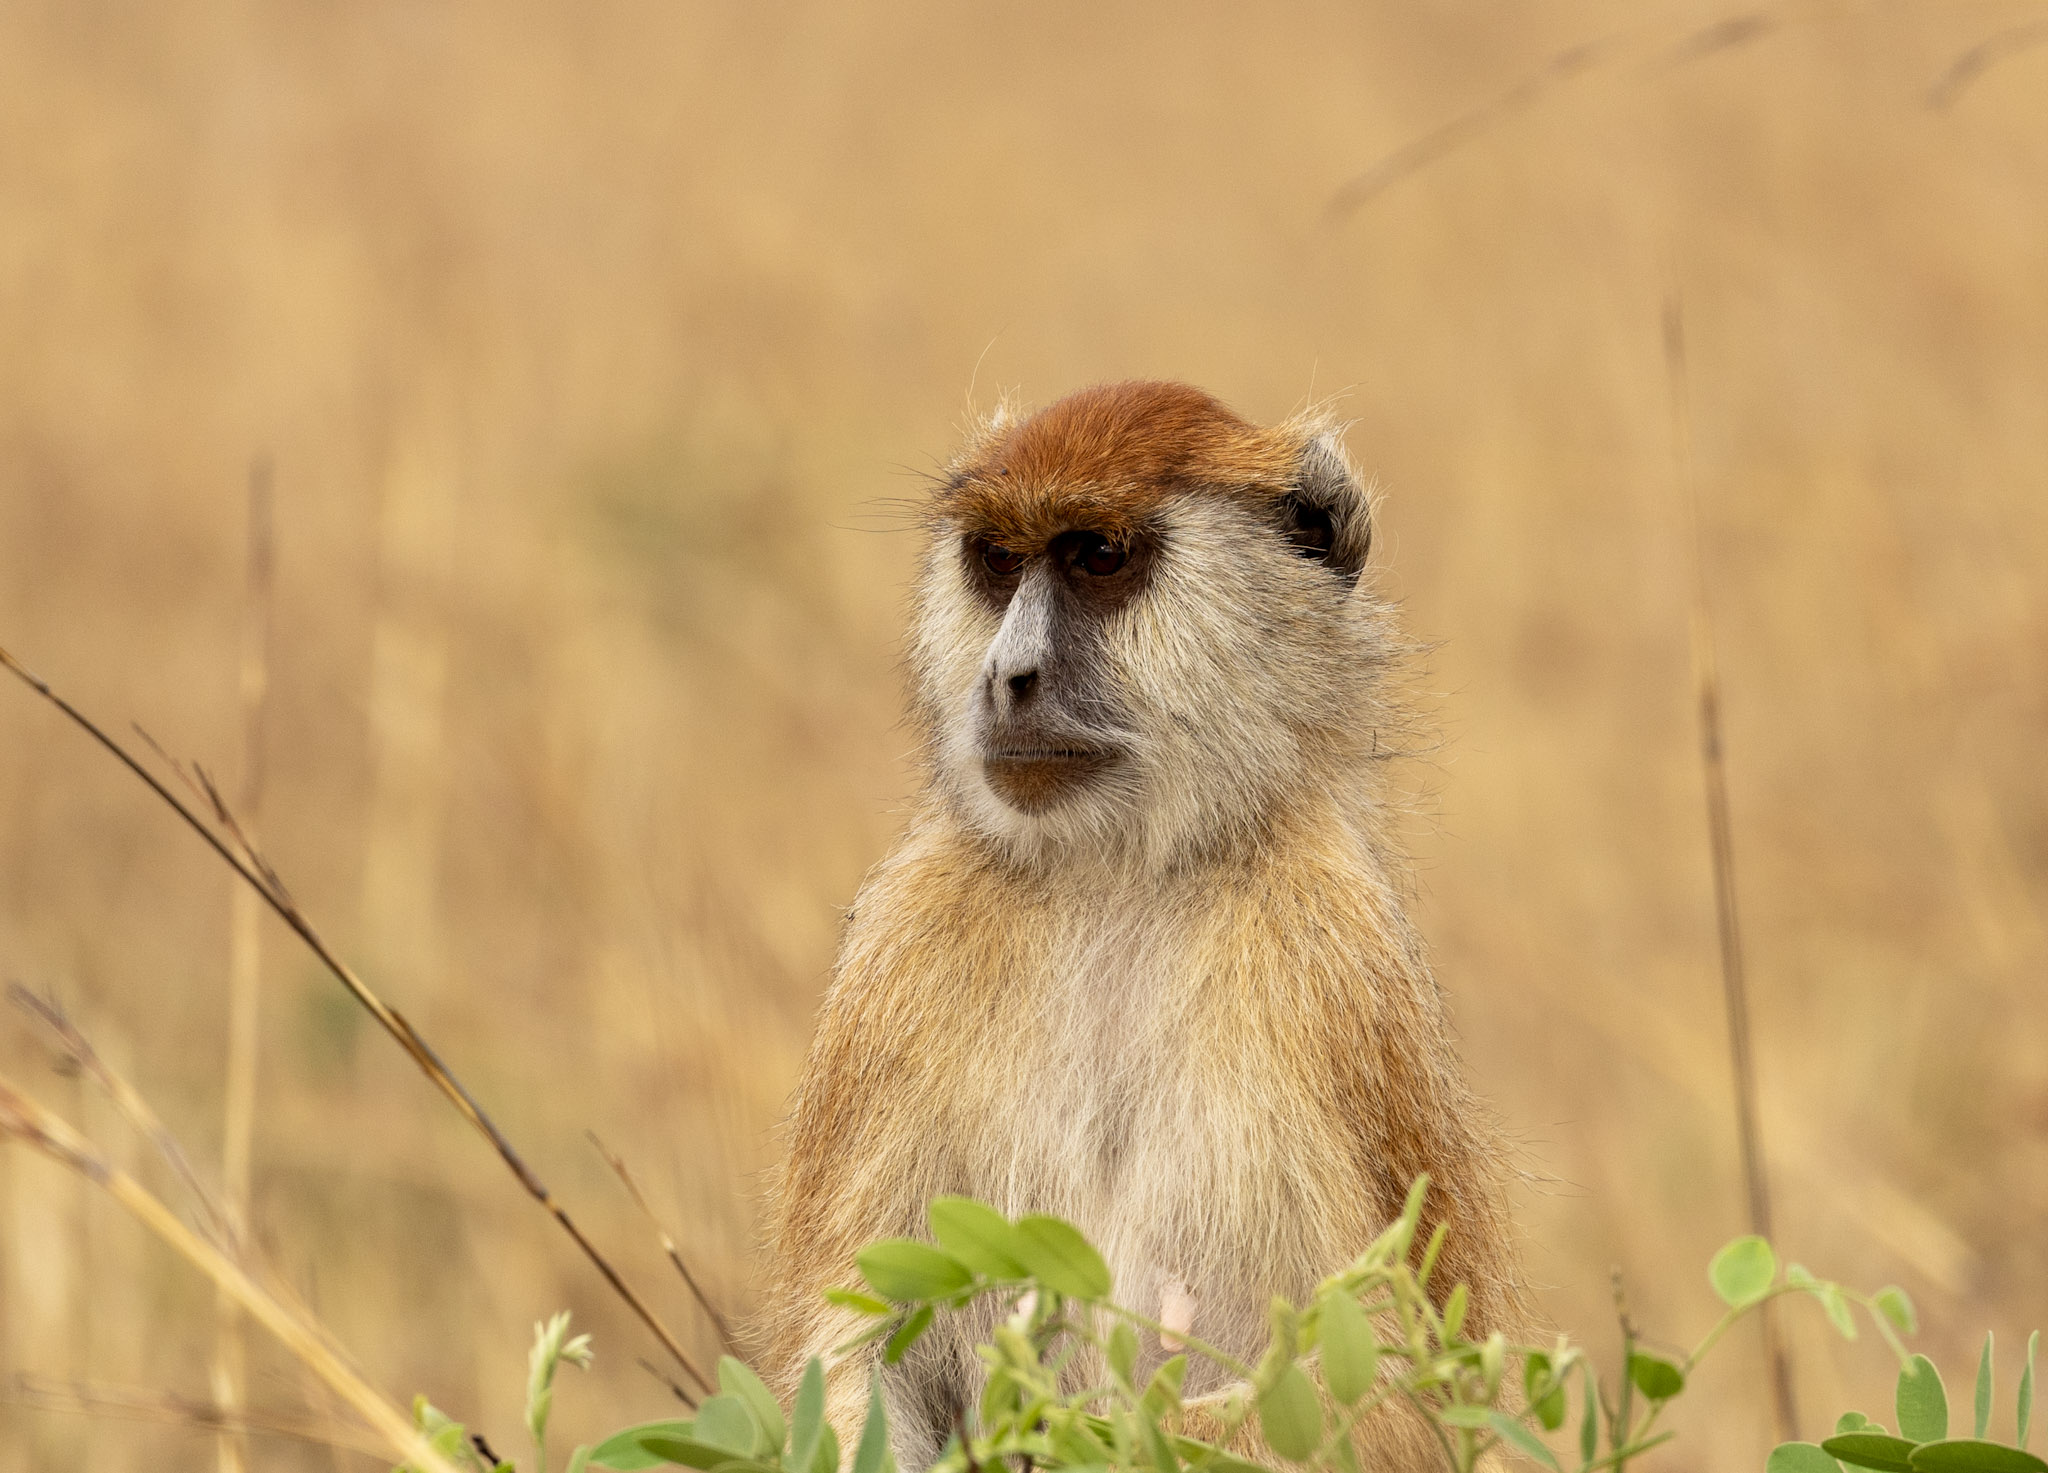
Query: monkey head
[1139,626]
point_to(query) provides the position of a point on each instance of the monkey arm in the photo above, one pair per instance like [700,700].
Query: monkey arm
[868,1147]
[1365,1083]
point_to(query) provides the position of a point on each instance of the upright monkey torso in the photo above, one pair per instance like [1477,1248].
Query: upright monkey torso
[1141,960]
[1183,1065]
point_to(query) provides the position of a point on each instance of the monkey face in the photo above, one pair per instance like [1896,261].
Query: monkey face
[1046,719]
[1136,634]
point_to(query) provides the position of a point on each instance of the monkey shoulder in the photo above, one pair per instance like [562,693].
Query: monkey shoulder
[931,937]
[1323,923]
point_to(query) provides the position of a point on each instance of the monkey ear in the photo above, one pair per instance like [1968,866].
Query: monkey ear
[1326,515]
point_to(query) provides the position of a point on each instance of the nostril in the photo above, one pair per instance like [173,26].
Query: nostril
[1020,685]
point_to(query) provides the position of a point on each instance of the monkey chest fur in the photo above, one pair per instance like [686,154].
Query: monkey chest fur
[1141,1075]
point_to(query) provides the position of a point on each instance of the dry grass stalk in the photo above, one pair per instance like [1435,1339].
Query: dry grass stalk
[23,1119]
[143,1405]
[245,963]
[1734,985]
[668,1244]
[233,845]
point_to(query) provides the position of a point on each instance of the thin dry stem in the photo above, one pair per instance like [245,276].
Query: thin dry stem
[664,1378]
[23,1119]
[1980,58]
[66,1038]
[668,1244]
[234,848]
[1734,984]
[1415,156]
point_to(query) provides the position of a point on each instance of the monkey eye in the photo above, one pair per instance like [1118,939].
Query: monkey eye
[1000,560]
[1100,557]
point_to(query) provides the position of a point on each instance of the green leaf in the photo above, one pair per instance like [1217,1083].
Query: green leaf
[1896,1307]
[1061,1259]
[903,1269]
[826,1459]
[1344,1455]
[1291,1417]
[1872,1450]
[685,1452]
[1075,1443]
[1855,1422]
[734,1379]
[1123,1353]
[1550,1406]
[1741,1274]
[1837,1307]
[1656,1377]
[2026,1407]
[1969,1455]
[977,1235]
[1000,1396]
[1922,1404]
[907,1334]
[1350,1353]
[1801,1457]
[1462,1414]
[1493,1356]
[1983,1407]
[726,1421]
[1158,1451]
[873,1452]
[1430,1252]
[807,1418]
[1589,1421]
[1454,1313]
[1219,1462]
[1521,1439]
[1162,1397]
[855,1300]
[623,1450]
[578,1460]
[1399,1237]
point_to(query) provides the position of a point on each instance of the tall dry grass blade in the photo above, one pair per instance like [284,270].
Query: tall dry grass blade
[1420,153]
[248,862]
[95,1399]
[66,1038]
[24,1120]
[668,1244]
[1734,985]
[245,961]
[1980,58]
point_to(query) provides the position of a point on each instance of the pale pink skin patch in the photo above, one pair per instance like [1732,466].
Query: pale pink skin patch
[1176,1313]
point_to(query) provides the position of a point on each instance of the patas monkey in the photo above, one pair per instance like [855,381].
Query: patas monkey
[1141,960]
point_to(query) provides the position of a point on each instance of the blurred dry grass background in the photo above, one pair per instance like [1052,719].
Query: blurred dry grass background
[591,344]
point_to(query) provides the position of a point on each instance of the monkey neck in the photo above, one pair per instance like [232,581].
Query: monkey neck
[1350,826]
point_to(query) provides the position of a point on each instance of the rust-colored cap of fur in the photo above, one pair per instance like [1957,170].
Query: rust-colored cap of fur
[1104,457]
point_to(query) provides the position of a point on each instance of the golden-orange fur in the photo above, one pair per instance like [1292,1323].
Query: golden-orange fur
[1190,1014]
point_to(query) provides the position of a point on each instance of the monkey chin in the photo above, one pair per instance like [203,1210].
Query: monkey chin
[1034,781]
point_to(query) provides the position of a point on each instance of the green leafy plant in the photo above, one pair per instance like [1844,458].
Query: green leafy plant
[1063,1386]
[1923,1444]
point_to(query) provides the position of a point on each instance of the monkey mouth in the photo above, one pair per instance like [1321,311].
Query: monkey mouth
[1032,778]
